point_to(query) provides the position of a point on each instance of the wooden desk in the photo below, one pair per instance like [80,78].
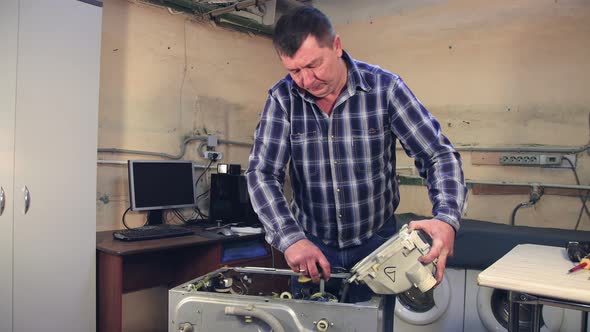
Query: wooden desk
[130,266]
[536,275]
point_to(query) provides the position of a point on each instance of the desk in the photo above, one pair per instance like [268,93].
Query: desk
[535,274]
[130,266]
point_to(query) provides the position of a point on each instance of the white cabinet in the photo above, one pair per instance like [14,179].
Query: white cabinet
[49,84]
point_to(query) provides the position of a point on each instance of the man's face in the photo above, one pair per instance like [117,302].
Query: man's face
[315,68]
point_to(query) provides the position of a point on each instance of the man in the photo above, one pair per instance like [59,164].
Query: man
[335,122]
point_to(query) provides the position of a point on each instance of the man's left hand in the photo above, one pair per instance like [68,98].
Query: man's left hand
[443,241]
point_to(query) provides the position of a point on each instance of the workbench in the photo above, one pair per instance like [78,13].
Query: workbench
[537,275]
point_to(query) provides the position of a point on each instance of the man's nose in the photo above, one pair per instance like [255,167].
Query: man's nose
[306,78]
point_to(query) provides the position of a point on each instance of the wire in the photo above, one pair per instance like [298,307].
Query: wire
[123,218]
[513,216]
[535,196]
[197,209]
[582,197]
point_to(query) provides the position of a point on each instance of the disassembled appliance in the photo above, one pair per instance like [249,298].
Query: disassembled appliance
[260,299]
[394,268]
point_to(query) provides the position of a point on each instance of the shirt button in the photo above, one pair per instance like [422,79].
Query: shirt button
[339,216]
[337,189]
[332,136]
[335,162]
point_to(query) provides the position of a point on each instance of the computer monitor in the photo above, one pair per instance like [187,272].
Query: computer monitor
[229,201]
[157,185]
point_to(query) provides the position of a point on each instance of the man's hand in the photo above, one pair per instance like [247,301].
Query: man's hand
[443,241]
[305,257]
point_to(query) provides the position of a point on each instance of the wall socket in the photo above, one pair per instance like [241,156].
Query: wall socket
[538,160]
[213,155]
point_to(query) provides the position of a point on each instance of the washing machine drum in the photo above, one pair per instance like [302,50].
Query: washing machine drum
[417,308]
[493,307]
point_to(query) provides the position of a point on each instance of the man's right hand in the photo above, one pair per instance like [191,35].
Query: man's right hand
[304,257]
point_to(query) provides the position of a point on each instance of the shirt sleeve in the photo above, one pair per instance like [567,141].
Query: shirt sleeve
[435,157]
[266,176]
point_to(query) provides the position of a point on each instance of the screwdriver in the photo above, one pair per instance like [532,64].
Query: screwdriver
[584,264]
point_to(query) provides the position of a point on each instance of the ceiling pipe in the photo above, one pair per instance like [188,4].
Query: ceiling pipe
[242,5]
[198,9]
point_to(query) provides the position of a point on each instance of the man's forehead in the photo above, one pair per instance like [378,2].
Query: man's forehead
[300,60]
[307,54]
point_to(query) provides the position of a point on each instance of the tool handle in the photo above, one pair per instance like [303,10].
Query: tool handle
[584,264]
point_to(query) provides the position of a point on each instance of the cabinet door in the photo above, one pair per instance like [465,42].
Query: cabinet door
[55,159]
[8,36]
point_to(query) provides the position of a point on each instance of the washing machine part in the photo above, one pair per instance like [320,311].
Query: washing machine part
[439,309]
[394,268]
[486,309]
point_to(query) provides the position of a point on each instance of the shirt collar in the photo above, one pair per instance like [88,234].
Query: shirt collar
[355,79]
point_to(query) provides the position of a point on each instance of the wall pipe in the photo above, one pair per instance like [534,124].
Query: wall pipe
[124,163]
[503,183]
[570,150]
[169,156]
[242,5]
[197,8]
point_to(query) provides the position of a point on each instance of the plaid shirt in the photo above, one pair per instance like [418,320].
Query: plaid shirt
[342,166]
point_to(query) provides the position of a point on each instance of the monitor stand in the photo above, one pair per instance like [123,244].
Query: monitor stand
[219,225]
[155,217]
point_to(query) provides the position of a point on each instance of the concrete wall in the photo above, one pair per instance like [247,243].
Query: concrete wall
[499,73]
[165,77]
[495,73]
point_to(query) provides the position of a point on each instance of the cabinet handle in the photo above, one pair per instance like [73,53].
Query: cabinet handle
[27,199]
[2,200]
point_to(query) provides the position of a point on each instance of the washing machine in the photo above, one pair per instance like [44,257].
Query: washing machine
[486,309]
[438,310]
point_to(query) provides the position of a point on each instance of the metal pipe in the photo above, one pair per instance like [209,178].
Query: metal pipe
[518,184]
[234,8]
[197,8]
[124,162]
[169,156]
[570,150]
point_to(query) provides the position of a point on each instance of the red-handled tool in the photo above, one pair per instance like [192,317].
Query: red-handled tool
[584,264]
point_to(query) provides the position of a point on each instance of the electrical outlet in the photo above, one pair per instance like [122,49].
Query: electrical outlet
[520,159]
[213,155]
[550,160]
[538,160]
[558,161]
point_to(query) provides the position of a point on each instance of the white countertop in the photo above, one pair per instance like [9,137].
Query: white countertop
[538,270]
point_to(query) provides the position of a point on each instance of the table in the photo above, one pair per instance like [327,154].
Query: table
[536,275]
[130,266]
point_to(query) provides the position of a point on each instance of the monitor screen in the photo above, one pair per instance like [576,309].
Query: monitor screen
[229,201]
[161,184]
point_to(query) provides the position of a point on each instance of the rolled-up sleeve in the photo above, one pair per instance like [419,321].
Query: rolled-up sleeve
[266,176]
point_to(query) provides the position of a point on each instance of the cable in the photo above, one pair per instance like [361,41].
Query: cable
[123,218]
[513,216]
[580,195]
[197,209]
[535,196]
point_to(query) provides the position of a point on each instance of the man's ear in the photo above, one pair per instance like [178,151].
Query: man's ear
[337,45]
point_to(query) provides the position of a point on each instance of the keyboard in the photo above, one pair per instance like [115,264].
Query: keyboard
[151,232]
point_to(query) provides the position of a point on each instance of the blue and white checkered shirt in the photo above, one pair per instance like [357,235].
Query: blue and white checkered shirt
[342,166]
